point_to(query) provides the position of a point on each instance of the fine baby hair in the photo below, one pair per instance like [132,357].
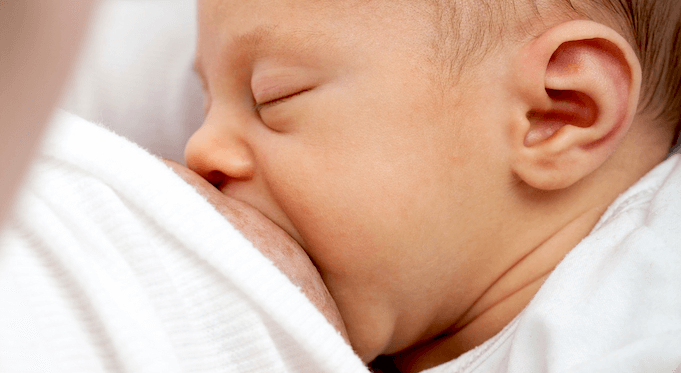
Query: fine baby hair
[653,28]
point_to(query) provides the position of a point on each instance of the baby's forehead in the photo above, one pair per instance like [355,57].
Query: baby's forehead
[288,26]
[320,12]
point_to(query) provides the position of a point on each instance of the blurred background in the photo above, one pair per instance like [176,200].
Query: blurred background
[135,73]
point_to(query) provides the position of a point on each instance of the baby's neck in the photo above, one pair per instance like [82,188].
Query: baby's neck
[544,232]
[502,301]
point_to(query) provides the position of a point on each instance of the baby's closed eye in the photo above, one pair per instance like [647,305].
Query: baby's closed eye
[278,98]
[273,85]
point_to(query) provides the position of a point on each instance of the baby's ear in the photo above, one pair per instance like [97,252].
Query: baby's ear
[578,85]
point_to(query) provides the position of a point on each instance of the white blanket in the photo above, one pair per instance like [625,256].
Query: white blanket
[112,263]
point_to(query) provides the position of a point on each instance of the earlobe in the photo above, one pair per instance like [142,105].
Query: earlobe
[579,84]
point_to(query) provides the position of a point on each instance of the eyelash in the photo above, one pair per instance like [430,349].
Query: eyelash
[258,107]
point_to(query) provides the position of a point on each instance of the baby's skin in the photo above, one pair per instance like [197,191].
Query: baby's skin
[433,202]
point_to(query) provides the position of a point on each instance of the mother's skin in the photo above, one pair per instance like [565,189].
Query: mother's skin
[272,241]
[38,44]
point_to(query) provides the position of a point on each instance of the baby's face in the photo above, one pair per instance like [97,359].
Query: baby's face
[329,118]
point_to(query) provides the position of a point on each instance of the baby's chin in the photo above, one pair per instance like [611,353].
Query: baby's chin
[271,241]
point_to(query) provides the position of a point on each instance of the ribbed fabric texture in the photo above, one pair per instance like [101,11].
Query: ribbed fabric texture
[111,263]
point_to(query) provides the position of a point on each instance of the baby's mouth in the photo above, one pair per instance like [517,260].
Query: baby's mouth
[262,231]
[259,213]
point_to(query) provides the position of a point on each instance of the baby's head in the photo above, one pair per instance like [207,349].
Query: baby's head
[419,150]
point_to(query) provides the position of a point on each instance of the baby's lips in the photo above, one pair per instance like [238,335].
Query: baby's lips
[272,241]
[267,236]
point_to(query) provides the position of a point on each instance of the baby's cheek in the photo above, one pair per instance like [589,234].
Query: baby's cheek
[348,197]
[341,221]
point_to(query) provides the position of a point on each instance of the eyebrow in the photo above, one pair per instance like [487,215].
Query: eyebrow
[254,40]
[262,38]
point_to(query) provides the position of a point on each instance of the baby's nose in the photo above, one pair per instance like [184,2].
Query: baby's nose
[219,155]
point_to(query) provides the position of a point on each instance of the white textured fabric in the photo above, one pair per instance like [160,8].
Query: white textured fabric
[111,263]
[613,304]
[135,73]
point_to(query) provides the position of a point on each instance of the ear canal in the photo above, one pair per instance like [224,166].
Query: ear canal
[568,108]
[574,79]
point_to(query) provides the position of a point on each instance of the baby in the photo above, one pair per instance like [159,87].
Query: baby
[437,160]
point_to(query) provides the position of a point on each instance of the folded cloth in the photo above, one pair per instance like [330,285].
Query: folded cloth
[111,262]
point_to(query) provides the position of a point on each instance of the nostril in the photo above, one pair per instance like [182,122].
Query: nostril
[216,178]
